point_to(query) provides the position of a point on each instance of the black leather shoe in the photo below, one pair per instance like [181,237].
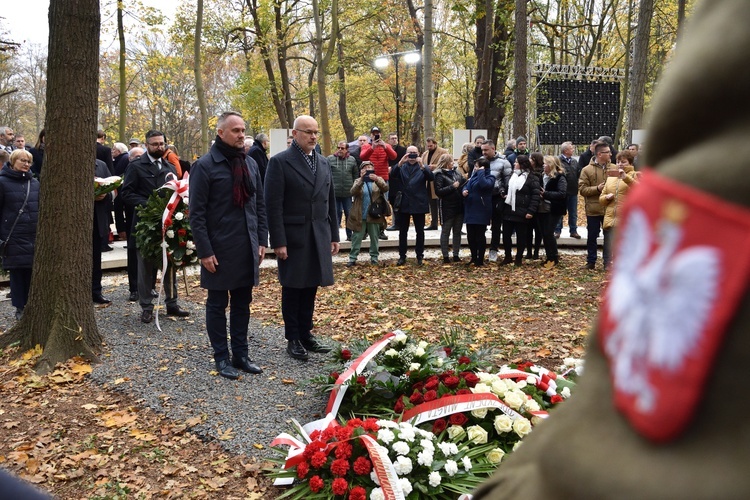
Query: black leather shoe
[133,297]
[147,316]
[456,258]
[107,248]
[313,345]
[296,350]
[246,365]
[590,265]
[226,370]
[383,236]
[351,263]
[419,261]
[401,261]
[99,299]
[154,293]
[430,228]
[177,311]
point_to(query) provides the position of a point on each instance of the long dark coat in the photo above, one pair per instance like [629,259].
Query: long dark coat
[141,179]
[231,233]
[302,217]
[415,197]
[101,208]
[19,252]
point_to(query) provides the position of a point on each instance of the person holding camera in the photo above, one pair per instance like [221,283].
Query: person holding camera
[618,183]
[448,185]
[477,194]
[368,212]
[414,201]
[379,153]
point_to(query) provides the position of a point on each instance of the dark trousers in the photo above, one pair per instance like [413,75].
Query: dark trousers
[546,224]
[572,208]
[20,283]
[146,280]
[534,237]
[402,221]
[453,224]
[522,230]
[433,213]
[297,307]
[498,204]
[132,256]
[96,263]
[593,225]
[120,219]
[239,318]
[477,242]
[344,205]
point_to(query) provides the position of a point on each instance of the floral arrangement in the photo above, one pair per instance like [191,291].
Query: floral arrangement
[446,419]
[175,235]
[104,185]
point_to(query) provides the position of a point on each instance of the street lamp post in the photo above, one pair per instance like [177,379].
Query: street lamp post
[382,62]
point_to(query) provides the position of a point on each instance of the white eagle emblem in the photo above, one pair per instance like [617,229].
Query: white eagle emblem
[659,303]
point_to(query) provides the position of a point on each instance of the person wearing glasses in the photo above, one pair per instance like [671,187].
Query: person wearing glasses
[301,212]
[345,172]
[18,189]
[143,177]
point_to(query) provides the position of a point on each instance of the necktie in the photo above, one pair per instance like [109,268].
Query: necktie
[158,163]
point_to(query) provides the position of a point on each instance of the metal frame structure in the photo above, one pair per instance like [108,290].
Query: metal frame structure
[578,72]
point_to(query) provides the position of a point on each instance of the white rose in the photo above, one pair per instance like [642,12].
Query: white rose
[170,233]
[479,413]
[569,362]
[191,245]
[481,388]
[179,215]
[439,362]
[400,338]
[495,456]
[422,344]
[451,467]
[385,436]
[434,479]
[405,486]
[186,200]
[419,352]
[377,494]
[391,352]
[403,466]
[521,384]
[467,463]
[401,448]
[513,400]
[456,432]
[477,435]
[425,457]
[414,367]
[532,405]
[503,424]
[535,420]
[499,387]
[485,377]
[517,445]
[188,252]
[531,380]
[521,426]
[565,392]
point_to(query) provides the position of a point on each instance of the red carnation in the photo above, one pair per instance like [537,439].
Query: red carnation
[452,382]
[430,396]
[328,433]
[344,451]
[371,425]
[399,406]
[318,459]
[458,419]
[340,486]
[354,423]
[439,426]
[362,466]
[182,232]
[448,351]
[302,469]
[358,493]
[346,354]
[464,360]
[344,433]
[315,434]
[168,222]
[361,380]
[416,398]
[556,399]
[316,484]
[340,467]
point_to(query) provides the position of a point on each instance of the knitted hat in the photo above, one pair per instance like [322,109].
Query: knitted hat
[661,411]
[520,139]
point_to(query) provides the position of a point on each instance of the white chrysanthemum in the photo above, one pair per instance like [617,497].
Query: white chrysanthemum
[419,352]
[391,353]
[179,215]
[374,477]
[521,426]
[190,245]
[377,494]
[164,244]
[448,449]
[385,436]
[425,457]
[414,367]
[401,448]
[407,434]
[434,479]
[403,466]
[514,399]
[406,486]
[388,424]
[565,392]
[400,338]
[427,444]
[423,345]
[503,424]
[170,233]
[425,434]
[481,388]
[456,432]
[466,463]
[451,467]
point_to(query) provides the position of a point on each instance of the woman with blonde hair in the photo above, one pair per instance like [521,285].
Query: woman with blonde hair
[616,186]
[463,160]
[554,192]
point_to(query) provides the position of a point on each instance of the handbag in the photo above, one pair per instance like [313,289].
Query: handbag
[4,243]
[377,209]
[397,201]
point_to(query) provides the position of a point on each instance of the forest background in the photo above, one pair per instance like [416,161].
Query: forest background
[274,60]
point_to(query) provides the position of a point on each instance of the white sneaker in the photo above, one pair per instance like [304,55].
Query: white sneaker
[493,255]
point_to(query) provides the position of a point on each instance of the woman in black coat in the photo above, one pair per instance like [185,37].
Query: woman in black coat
[522,202]
[18,230]
[554,193]
[448,186]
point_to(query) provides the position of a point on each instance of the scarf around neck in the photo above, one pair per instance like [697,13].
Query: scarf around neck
[517,180]
[242,188]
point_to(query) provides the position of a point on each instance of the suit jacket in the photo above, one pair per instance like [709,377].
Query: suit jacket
[101,208]
[301,210]
[104,154]
[141,179]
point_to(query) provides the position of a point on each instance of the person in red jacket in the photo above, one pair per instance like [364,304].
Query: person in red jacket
[379,153]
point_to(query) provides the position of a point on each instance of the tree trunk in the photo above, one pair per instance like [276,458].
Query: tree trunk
[417,124]
[520,71]
[281,51]
[322,61]
[343,112]
[637,92]
[123,121]
[681,7]
[626,81]
[60,315]
[197,69]
[429,122]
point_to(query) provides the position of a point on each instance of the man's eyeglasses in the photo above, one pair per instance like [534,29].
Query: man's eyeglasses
[156,144]
[309,132]
[344,148]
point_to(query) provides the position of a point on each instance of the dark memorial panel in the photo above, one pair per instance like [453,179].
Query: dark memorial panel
[577,111]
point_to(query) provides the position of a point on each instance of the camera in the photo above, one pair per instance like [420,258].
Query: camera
[376,137]
[412,155]
[368,172]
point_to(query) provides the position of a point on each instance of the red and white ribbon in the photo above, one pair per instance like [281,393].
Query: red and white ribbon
[384,469]
[444,407]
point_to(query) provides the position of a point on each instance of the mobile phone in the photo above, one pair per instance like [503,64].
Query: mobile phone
[368,172]
[613,173]
[412,155]
[376,137]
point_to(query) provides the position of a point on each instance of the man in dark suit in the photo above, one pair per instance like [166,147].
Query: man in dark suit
[101,232]
[104,153]
[142,177]
[228,219]
[301,207]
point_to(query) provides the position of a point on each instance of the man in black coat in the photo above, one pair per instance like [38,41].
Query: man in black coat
[100,233]
[143,177]
[104,153]
[301,207]
[259,152]
[228,219]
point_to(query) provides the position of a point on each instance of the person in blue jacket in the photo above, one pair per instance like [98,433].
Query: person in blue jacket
[478,209]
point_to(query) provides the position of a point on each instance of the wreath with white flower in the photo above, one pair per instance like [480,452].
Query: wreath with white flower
[177,235]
